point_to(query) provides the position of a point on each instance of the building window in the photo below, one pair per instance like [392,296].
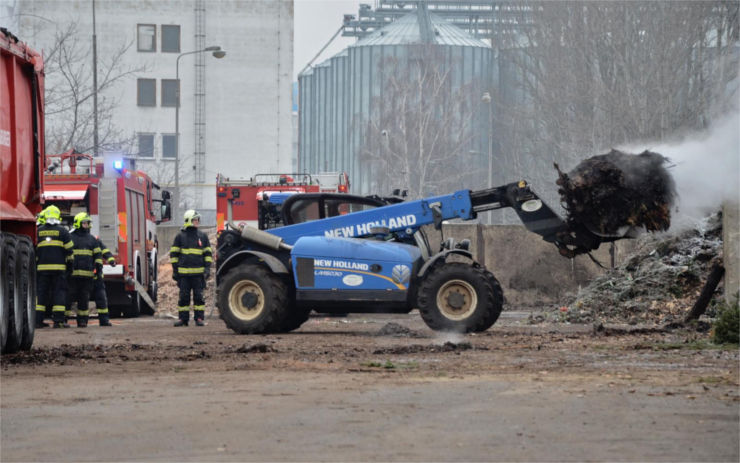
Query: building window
[146,92]
[169,145]
[170,39]
[146,145]
[146,37]
[169,92]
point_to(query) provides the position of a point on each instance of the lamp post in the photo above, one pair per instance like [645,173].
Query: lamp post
[217,53]
[487,99]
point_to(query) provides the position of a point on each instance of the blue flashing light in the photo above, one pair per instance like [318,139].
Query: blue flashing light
[118,164]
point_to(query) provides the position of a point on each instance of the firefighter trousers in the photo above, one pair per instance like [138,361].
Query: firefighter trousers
[101,298]
[194,283]
[51,288]
[79,292]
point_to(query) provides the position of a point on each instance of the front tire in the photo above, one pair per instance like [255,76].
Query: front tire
[134,309]
[459,297]
[252,300]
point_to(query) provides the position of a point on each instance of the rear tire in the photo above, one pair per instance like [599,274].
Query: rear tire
[459,297]
[14,302]
[27,272]
[295,315]
[251,300]
[5,284]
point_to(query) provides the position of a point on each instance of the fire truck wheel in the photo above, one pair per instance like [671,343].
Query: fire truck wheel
[459,297]
[154,286]
[134,309]
[11,296]
[252,300]
[27,272]
[4,295]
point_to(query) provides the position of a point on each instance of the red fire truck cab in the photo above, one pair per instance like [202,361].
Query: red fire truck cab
[256,201]
[125,206]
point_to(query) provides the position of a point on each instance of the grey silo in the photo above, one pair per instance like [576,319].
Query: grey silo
[339,96]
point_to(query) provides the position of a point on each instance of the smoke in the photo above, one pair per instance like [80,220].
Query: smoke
[706,169]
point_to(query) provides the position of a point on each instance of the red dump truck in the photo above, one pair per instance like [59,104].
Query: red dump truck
[21,186]
[125,206]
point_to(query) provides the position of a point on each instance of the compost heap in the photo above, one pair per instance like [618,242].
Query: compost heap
[656,285]
[609,192]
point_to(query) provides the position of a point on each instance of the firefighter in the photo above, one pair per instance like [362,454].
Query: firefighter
[191,260]
[52,252]
[101,299]
[86,258]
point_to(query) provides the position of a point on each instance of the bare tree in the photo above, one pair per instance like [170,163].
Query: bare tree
[587,76]
[421,128]
[69,93]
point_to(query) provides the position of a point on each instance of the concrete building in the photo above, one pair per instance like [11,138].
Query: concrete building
[235,112]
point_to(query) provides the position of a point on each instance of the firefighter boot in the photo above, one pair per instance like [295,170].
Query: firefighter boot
[81,321]
[184,318]
[40,320]
[104,320]
[199,316]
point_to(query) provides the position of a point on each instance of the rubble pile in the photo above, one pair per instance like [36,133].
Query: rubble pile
[611,191]
[656,285]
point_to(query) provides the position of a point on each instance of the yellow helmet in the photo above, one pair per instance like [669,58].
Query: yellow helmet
[189,216]
[81,217]
[52,215]
[41,218]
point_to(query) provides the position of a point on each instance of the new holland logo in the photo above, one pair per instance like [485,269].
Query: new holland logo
[401,274]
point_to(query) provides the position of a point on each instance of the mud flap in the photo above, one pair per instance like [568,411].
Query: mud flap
[144,295]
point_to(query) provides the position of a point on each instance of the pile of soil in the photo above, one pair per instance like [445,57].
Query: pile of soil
[609,192]
[657,284]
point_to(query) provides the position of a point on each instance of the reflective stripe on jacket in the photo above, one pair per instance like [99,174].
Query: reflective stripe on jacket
[105,252]
[53,248]
[85,254]
[190,253]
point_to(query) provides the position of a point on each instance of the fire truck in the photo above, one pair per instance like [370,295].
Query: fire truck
[125,206]
[258,200]
[21,184]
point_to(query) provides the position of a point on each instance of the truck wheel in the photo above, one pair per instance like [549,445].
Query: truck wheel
[252,300]
[154,286]
[460,297]
[5,283]
[27,272]
[14,305]
[134,309]
[295,316]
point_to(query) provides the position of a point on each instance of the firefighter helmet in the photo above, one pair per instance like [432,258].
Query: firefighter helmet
[81,217]
[41,218]
[189,216]
[52,215]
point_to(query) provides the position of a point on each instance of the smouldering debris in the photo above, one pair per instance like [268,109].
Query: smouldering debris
[609,192]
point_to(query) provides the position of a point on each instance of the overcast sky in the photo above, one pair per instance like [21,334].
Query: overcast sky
[315,22]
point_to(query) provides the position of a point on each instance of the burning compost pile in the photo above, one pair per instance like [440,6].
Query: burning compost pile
[656,285]
[613,191]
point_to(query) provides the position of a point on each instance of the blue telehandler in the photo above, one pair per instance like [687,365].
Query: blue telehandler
[376,260]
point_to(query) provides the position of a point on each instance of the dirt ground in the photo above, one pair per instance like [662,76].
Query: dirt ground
[369,387]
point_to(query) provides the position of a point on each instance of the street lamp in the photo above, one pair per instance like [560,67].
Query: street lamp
[217,53]
[487,99]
